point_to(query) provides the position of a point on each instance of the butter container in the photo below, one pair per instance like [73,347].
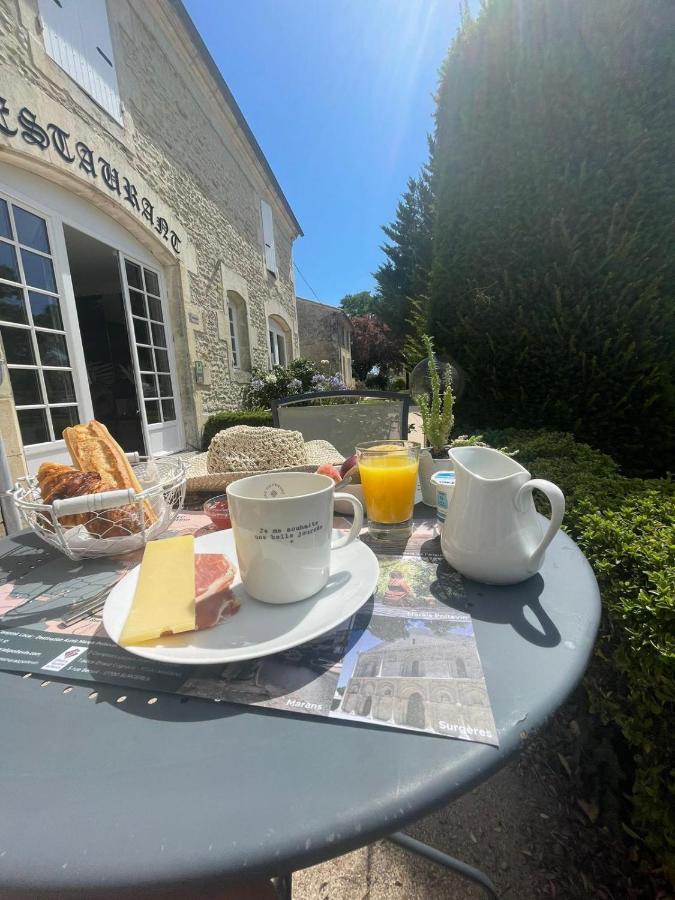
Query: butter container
[444,485]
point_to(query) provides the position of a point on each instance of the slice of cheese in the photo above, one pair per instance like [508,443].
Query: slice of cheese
[164,601]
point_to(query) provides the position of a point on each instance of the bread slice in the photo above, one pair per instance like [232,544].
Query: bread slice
[93,449]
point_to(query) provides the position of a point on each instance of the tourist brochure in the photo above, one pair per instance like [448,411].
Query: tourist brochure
[407,659]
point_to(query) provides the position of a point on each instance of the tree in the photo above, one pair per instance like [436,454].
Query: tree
[372,345]
[553,282]
[358,304]
[404,276]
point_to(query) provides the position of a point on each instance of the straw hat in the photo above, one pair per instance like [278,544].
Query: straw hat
[244,450]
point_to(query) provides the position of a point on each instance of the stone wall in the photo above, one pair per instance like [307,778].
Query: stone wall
[181,145]
[324,334]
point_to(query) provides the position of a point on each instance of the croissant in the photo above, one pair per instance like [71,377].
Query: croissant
[57,482]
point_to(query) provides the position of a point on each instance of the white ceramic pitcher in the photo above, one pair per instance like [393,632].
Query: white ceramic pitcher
[492,532]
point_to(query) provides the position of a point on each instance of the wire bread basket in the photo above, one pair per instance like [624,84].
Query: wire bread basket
[111,523]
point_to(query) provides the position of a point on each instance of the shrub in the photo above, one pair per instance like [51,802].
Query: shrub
[229,417]
[398,384]
[553,273]
[626,528]
[376,381]
[299,376]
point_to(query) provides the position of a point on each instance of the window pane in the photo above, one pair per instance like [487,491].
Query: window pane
[151,282]
[33,425]
[60,387]
[46,310]
[152,411]
[165,385]
[162,358]
[31,230]
[137,304]
[149,385]
[38,270]
[145,360]
[63,417]
[281,347]
[155,308]
[158,336]
[8,266]
[5,229]
[141,331]
[18,346]
[134,275]
[168,410]
[26,387]
[53,349]
[12,308]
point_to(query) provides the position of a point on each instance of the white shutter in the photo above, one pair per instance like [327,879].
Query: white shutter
[268,237]
[77,38]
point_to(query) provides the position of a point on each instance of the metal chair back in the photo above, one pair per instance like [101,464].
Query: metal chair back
[383,417]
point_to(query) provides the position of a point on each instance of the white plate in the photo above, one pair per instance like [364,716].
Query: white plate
[258,629]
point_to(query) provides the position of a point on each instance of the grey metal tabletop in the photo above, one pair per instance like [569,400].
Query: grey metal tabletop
[101,798]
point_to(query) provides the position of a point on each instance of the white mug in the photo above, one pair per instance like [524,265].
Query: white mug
[282,524]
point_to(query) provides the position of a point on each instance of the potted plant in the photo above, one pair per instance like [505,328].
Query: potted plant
[437,422]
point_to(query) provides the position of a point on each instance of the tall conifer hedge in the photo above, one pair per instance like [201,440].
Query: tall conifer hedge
[553,270]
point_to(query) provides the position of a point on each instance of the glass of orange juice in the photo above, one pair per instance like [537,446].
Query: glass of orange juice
[388,471]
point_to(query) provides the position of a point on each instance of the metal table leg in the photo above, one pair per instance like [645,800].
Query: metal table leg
[442,859]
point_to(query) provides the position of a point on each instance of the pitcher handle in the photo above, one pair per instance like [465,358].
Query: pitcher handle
[357,524]
[557,500]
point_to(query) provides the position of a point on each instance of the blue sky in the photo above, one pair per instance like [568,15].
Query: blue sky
[339,94]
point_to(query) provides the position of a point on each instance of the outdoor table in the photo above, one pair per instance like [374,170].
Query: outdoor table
[107,798]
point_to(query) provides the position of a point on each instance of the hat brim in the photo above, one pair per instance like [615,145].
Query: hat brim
[199,479]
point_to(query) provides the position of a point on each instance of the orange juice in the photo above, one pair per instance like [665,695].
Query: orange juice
[389,483]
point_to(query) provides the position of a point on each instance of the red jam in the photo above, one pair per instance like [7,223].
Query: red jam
[218,511]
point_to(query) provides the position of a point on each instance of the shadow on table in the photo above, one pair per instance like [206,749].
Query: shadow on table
[517,605]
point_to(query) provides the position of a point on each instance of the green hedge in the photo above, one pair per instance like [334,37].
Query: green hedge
[626,528]
[228,417]
[553,278]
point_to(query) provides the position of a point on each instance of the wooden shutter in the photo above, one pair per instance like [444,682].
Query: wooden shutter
[77,37]
[268,237]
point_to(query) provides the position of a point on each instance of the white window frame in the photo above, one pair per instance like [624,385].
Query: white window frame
[233,318]
[275,333]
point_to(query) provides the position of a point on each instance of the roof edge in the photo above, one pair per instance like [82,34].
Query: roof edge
[191,28]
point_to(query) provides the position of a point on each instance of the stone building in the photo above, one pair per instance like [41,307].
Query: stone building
[428,682]
[145,244]
[326,333]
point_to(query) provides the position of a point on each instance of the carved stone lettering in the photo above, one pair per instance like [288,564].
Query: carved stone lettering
[32,133]
[162,227]
[148,210]
[60,142]
[175,242]
[4,112]
[130,193]
[86,158]
[110,175]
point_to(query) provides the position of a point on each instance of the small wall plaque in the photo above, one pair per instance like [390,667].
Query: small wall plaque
[199,371]
[193,318]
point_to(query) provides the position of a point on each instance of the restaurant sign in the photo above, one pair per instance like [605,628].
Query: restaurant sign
[86,159]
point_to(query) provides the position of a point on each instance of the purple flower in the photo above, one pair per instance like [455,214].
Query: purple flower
[295,386]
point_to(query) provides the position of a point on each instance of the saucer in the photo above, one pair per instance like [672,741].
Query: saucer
[258,629]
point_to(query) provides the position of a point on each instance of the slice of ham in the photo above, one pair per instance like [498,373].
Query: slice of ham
[214,574]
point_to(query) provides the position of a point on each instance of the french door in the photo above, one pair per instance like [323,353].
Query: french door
[152,353]
[36,337]
[43,351]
